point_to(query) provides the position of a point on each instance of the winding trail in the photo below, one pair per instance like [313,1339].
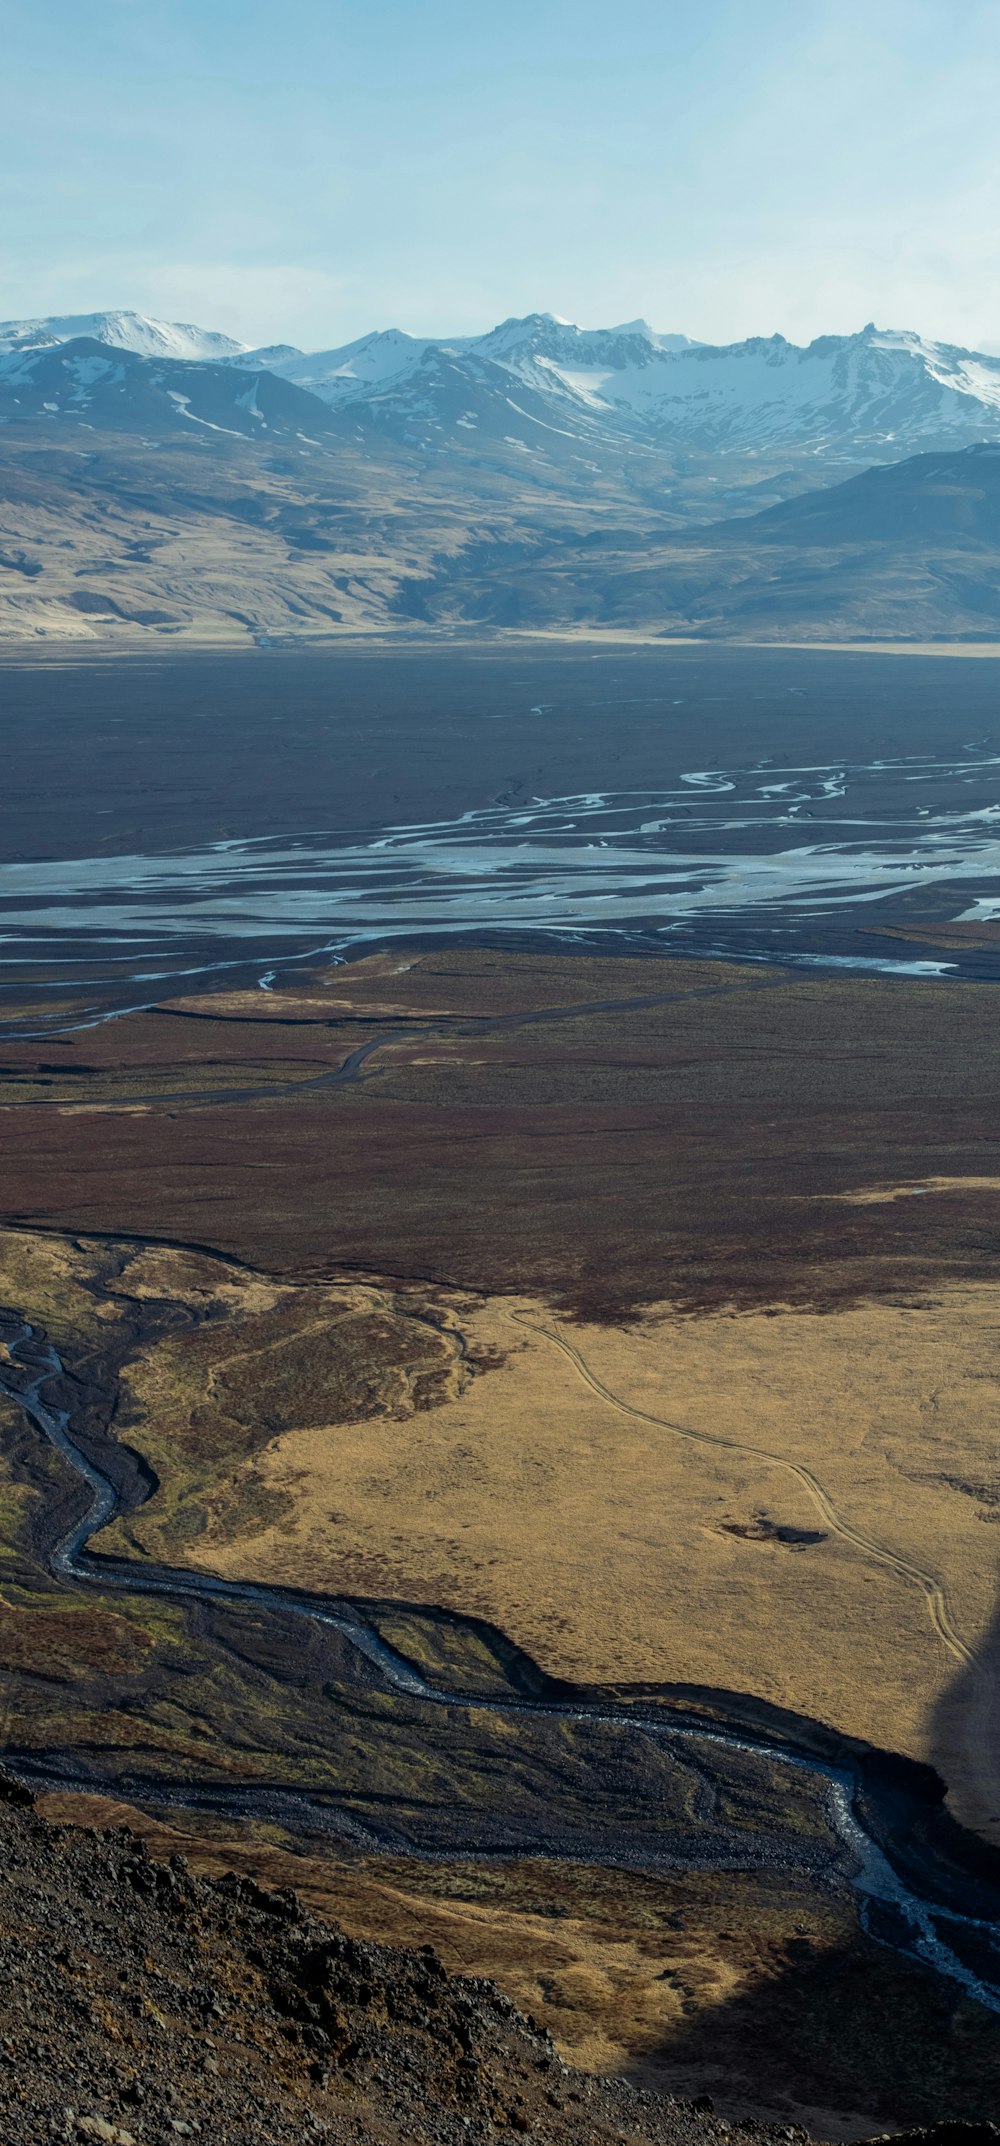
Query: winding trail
[938,1938]
[893,1560]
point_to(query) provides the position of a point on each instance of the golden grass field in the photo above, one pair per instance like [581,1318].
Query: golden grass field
[796,1504]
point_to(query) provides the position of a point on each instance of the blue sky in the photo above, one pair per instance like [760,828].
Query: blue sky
[306,170]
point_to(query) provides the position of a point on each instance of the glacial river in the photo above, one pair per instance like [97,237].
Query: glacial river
[804,865]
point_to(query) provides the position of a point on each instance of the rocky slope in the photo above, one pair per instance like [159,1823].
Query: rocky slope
[142,498]
[910,552]
[142,2006]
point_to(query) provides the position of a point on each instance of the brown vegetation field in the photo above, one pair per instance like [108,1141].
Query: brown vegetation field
[605,1133]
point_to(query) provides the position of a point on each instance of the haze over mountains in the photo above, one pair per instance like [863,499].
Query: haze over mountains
[157,477]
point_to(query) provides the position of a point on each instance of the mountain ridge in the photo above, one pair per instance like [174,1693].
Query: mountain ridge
[138,332]
[908,551]
[876,394]
[879,392]
[95,382]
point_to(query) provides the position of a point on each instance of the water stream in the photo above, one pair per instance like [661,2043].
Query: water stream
[915,1922]
[763,862]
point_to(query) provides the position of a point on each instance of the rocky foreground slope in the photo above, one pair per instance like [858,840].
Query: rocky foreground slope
[141,2004]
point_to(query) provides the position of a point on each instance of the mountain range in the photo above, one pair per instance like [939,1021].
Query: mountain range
[877,394]
[541,474]
[874,393]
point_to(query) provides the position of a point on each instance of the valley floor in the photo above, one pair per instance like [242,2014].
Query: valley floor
[691,1406]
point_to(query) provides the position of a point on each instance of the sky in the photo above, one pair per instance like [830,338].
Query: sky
[308,171]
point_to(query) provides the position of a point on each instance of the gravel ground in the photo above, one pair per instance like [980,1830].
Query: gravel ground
[141,2006]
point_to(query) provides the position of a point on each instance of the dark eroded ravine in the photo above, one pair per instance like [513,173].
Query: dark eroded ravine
[893,1908]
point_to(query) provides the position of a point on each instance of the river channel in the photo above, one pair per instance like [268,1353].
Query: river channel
[778,861]
[958,1946]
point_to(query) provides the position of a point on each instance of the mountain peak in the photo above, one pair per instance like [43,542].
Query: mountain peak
[138,332]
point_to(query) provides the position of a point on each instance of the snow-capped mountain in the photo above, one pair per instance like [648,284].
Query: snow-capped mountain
[554,390]
[146,338]
[871,392]
[542,339]
[447,400]
[875,395]
[387,358]
[121,391]
[359,369]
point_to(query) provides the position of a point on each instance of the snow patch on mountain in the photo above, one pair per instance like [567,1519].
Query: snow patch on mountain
[138,332]
[877,390]
[562,362]
[356,370]
[585,381]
